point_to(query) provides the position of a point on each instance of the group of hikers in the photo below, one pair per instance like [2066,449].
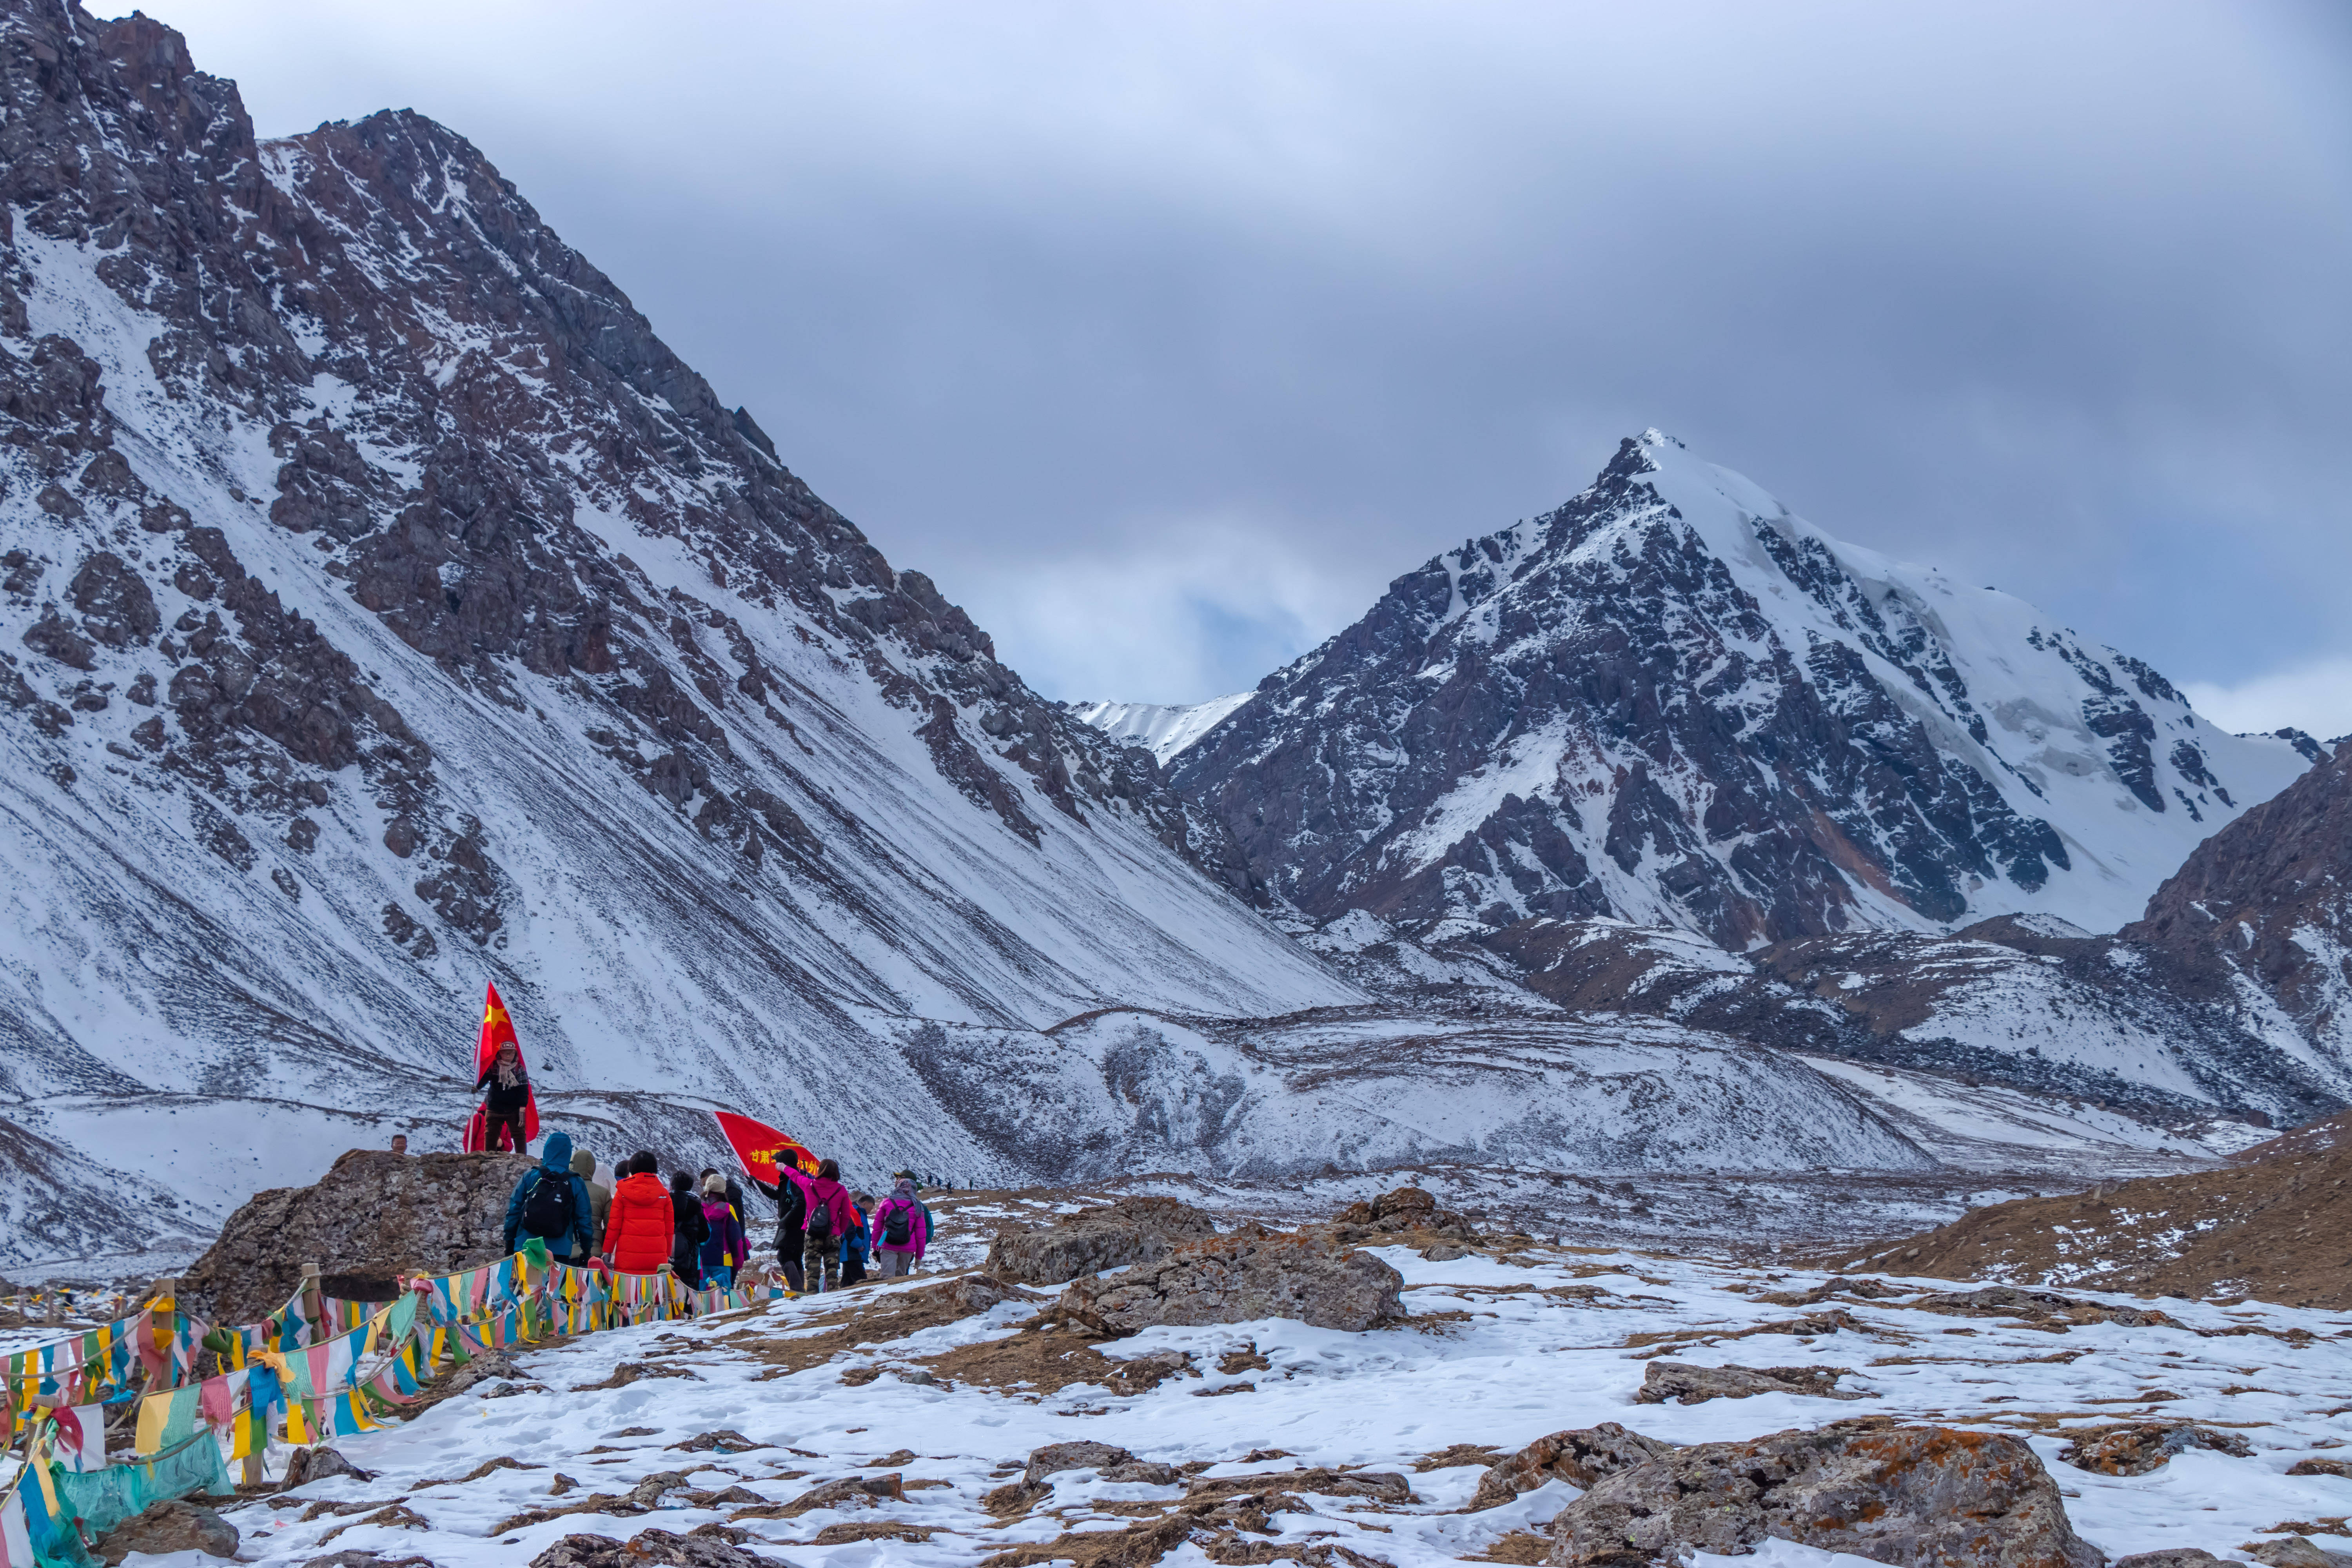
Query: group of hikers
[698,1227]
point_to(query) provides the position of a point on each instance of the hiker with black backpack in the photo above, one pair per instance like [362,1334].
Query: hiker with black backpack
[553,1204]
[792,1218]
[830,1217]
[902,1229]
[689,1230]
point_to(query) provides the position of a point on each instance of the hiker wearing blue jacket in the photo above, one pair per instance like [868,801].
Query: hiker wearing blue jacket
[553,1204]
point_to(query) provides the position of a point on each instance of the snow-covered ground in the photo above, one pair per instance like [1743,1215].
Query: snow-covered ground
[1497,1351]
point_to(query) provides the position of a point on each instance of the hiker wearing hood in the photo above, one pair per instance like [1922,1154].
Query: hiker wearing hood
[553,1204]
[902,1229]
[689,1230]
[600,1196]
[637,1238]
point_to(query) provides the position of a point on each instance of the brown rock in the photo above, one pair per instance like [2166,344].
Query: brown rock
[175,1526]
[2296,1552]
[2341,1467]
[2172,1557]
[1686,1384]
[1920,1497]
[373,1215]
[2137,1447]
[1054,1457]
[648,1549]
[1237,1278]
[1579,1458]
[1132,1230]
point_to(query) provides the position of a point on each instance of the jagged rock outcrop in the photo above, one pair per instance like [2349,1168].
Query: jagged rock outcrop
[374,1216]
[1131,1230]
[1581,1457]
[1919,1497]
[1235,1279]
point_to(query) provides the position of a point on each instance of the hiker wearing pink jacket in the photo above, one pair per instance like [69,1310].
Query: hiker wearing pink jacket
[901,1230]
[831,1216]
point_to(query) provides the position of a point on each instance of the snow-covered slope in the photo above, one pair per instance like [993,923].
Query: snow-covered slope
[1674,702]
[1367,1088]
[386,610]
[1160,728]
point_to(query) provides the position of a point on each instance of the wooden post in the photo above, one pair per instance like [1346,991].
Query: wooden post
[314,1304]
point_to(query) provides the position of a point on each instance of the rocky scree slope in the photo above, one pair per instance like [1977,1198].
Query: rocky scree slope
[385,608]
[2227,995]
[1673,702]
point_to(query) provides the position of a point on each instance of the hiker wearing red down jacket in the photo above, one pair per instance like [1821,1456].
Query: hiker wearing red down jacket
[831,1216]
[901,1230]
[637,1236]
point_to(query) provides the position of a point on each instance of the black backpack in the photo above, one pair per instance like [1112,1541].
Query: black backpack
[899,1228]
[820,1222]
[548,1211]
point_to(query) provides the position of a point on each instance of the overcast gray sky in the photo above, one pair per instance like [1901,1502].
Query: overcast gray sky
[1164,335]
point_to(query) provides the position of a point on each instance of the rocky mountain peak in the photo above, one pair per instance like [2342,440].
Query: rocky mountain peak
[1674,701]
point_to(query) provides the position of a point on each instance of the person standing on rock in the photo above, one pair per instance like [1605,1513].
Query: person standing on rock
[831,1216]
[637,1237]
[722,1250]
[553,1204]
[689,1230]
[506,1091]
[902,1229]
[792,1218]
[600,1196]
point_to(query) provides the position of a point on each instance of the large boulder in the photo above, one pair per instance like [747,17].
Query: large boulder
[371,1218]
[1407,1209]
[1132,1230]
[1919,1497]
[1579,1458]
[1239,1279]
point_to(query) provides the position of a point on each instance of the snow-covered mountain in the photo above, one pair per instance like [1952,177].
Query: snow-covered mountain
[386,609]
[1673,702]
[1161,728]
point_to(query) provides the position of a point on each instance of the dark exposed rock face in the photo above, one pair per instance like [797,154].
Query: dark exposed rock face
[1670,701]
[1920,1497]
[2260,915]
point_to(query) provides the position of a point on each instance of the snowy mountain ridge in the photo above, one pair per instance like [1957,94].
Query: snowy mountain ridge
[1164,730]
[1672,701]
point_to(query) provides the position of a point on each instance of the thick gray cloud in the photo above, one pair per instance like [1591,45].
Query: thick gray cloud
[1164,335]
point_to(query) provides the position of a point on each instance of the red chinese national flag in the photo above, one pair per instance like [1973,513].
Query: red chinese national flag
[765,1152]
[498,1029]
